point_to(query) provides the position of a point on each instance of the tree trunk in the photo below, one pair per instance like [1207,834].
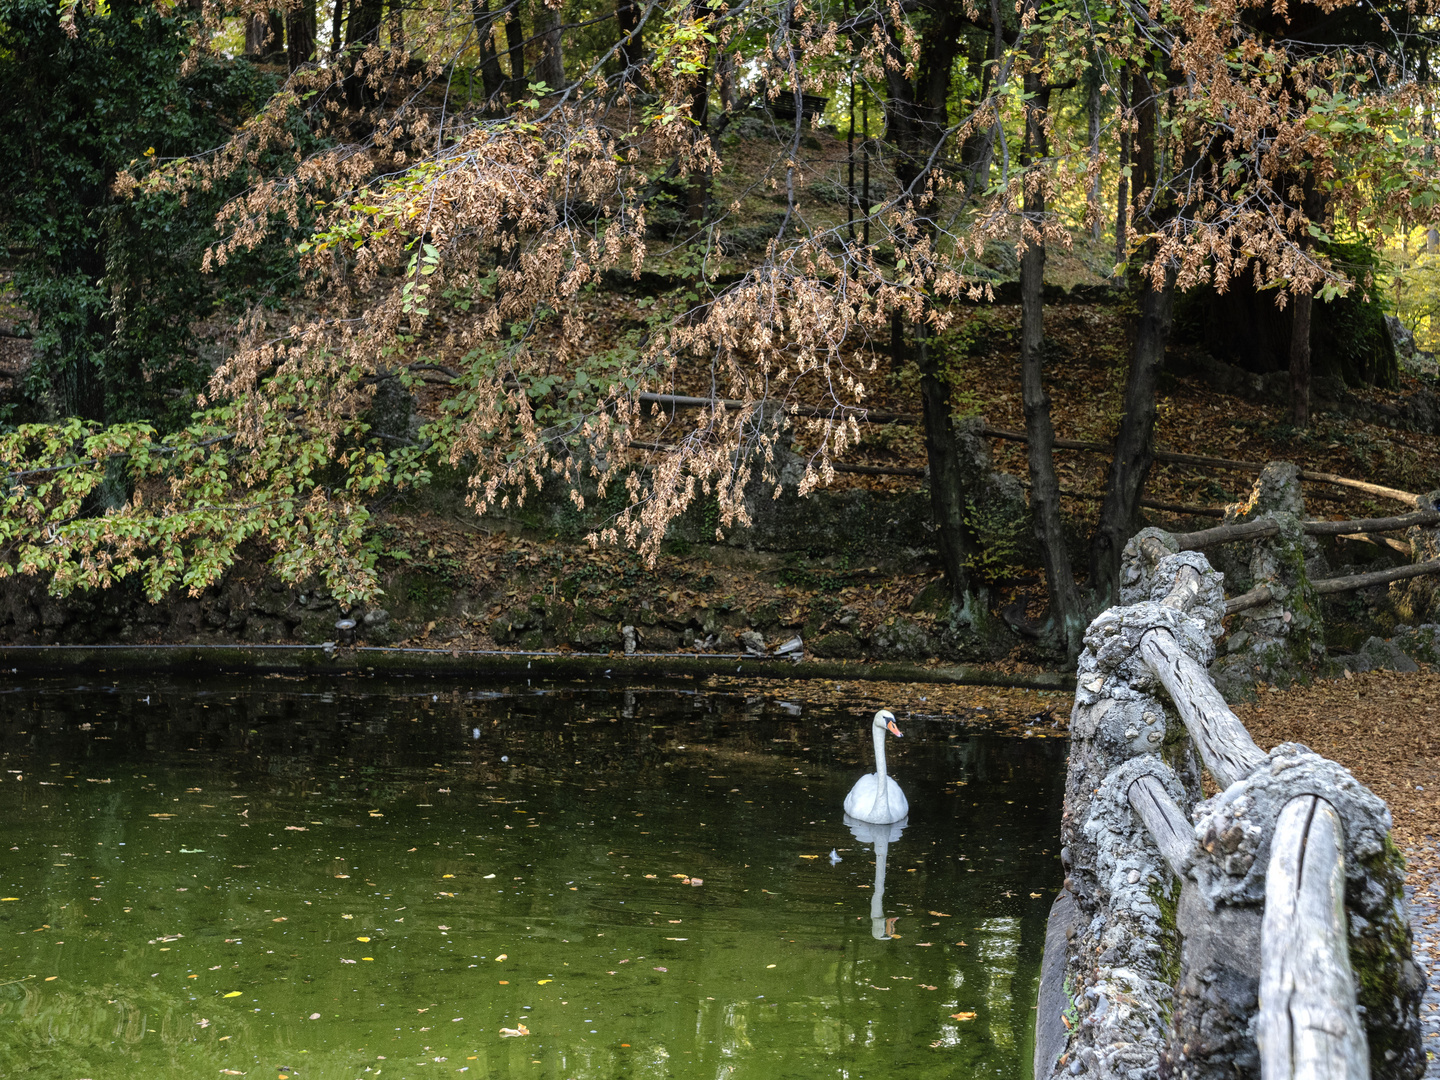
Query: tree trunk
[1300,360]
[1067,613]
[949,485]
[515,42]
[627,21]
[1134,443]
[265,35]
[550,67]
[484,21]
[300,34]
[337,29]
[699,193]
[1097,227]
[363,27]
[1122,189]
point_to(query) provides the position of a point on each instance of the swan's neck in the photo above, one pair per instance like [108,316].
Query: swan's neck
[880,753]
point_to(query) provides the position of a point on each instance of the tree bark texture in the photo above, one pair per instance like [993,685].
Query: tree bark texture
[1302,305]
[1225,746]
[550,66]
[1308,1026]
[484,20]
[300,34]
[627,23]
[1067,613]
[1134,452]
[948,486]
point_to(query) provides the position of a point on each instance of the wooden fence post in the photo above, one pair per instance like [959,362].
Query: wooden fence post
[1308,1027]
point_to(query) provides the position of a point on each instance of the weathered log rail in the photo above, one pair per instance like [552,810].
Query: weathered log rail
[1285,952]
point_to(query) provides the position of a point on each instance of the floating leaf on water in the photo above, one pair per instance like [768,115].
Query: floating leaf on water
[347,916]
[231,1072]
[344,961]
[510,1033]
[202,1022]
[51,978]
[502,956]
[296,828]
[370,958]
[1036,895]
[809,856]
[769,965]
[962,1016]
[927,986]
[343,876]
[233,993]
[649,875]
[314,1016]
[4,898]
[489,876]
[662,969]
[362,939]
[542,982]
[940,914]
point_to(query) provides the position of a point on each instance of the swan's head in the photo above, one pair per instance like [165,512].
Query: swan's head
[885,721]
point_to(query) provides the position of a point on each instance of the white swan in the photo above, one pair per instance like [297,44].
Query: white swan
[876,798]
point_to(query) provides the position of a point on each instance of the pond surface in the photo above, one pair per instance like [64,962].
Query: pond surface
[344,879]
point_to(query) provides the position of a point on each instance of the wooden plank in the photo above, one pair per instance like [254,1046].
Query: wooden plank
[1224,744]
[1308,1026]
[1166,822]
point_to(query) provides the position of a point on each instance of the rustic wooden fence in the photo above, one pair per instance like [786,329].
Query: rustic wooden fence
[1260,933]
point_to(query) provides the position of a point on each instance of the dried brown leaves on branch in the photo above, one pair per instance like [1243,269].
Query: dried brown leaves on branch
[463,240]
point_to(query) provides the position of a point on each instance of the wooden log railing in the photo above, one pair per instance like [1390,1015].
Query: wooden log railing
[1168,457]
[1292,931]
[1263,594]
[1308,1024]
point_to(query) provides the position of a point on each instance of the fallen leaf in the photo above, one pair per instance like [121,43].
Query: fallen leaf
[1036,895]
[502,956]
[237,993]
[809,856]
[657,969]
[362,939]
[924,944]
[347,916]
[649,875]
[344,961]
[51,978]
[510,1033]
[296,828]
[232,1072]
[927,986]
[962,1016]
[940,914]
[314,1016]
[542,982]
[202,1022]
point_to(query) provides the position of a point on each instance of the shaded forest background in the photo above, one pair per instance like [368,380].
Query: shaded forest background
[272,273]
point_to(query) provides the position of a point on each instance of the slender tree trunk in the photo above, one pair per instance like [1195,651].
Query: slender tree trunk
[550,68]
[1097,226]
[1122,189]
[484,21]
[627,21]
[1134,443]
[337,29]
[726,80]
[300,34]
[1066,624]
[699,193]
[1303,304]
[515,42]
[949,486]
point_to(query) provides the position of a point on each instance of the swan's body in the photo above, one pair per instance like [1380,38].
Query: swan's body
[876,798]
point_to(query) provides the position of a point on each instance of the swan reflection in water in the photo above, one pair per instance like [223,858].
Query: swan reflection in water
[882,836]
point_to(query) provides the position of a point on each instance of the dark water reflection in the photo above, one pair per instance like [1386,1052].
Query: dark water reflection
[345,880]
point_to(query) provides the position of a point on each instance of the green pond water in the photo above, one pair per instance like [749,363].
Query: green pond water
[348,879]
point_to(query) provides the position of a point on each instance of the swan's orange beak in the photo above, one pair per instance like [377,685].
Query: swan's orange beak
[894,730]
